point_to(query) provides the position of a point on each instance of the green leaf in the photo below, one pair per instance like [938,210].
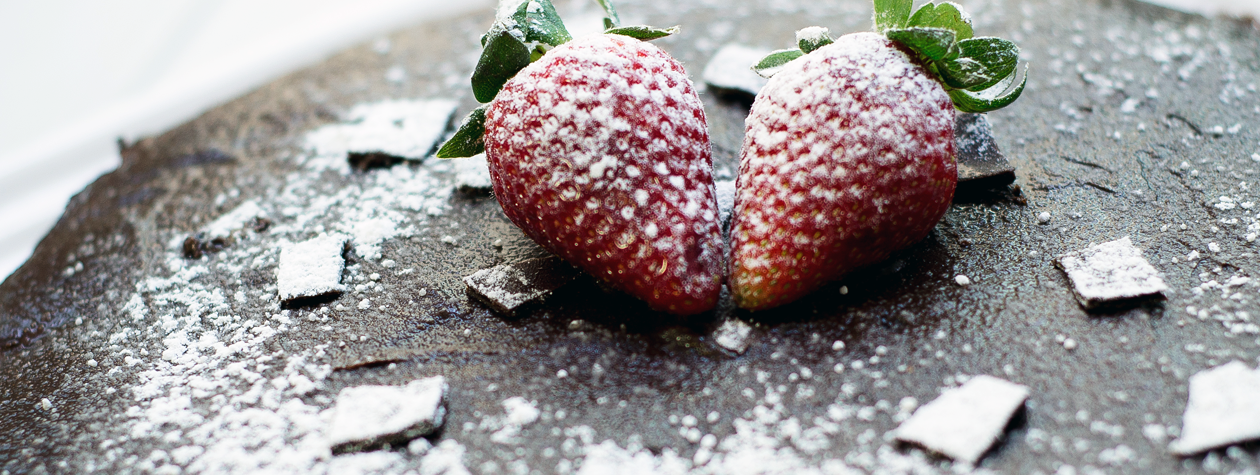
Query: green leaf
[990,99]
[470,139]
[503,57]
[540,23]
[642,32]
[999,57]
[812,38]
[963,73]
[892,14]
[775,61]
[945,15]
[611,20]
[934,43]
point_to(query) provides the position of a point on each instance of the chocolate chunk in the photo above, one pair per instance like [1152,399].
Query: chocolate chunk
[192,248]
[1223,409]
[368,417]
[311,269]
[730,71]
[472,175]
[364,161]
[733,335]
[981,164]
[1111,273]
[964,422]
[507,287]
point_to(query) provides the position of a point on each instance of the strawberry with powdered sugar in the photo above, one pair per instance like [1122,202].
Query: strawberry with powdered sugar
[599,151]
[849,151]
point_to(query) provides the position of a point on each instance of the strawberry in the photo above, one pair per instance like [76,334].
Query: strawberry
[599,151]
[848,154]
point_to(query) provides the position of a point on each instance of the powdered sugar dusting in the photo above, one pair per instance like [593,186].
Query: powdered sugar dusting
[851,150]
[812,34]
[609,459]
[509,286]
[575,138]
[216,398]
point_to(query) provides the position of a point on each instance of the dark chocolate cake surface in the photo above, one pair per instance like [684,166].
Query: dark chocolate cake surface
[146,334]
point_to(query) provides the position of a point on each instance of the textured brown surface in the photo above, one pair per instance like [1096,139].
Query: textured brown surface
[1089,57]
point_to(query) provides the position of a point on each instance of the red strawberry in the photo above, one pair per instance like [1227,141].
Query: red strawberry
[599,152]
[849,149]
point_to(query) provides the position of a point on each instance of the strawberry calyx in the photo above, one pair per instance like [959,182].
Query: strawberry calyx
[979,73]
[523,31]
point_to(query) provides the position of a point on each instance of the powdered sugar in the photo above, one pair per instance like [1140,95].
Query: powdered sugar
[507,287]
[519,411]
[519,414]
[472,174]
[609,459]
[812,34]
[216,398]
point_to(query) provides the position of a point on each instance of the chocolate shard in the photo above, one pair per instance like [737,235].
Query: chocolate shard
[311,269]
[1111,274]
[1222,410]
[981,165]
[964,422]
[733,335]
[730,71]
[508,287]
[369,417]
[472,175]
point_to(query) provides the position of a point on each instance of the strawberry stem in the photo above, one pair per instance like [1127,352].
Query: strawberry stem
[976,72]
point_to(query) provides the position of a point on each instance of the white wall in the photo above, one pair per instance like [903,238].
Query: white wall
[75,75]
[1240,8]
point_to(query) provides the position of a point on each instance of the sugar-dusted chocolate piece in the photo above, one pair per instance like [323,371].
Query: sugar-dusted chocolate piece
[733,335]
[964,422]
[472,174]
[367,417]
[311,268]
[1111,272]
[244,215]
[507,287]
[1224,409]
[220,233]
[386,132]
[730,70]
[981,164]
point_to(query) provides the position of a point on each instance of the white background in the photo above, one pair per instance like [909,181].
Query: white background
[75,75]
